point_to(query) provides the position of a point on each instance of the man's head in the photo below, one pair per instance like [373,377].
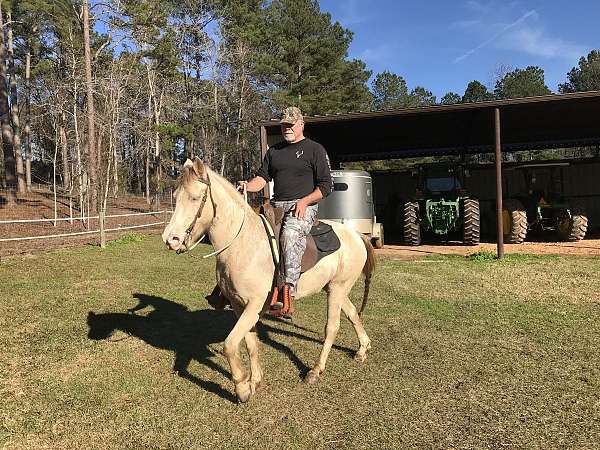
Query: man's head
[292,124]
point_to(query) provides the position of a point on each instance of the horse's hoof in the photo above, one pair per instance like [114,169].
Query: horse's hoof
[311,377]
[361,355]
[360,358]
[244,392]
[243,397]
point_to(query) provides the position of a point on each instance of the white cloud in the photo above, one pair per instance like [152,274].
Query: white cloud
[504,30]
[535,41]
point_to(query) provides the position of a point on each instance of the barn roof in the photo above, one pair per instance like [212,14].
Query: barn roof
[550,121]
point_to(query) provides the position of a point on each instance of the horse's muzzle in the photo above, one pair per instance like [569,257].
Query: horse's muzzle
[174,243]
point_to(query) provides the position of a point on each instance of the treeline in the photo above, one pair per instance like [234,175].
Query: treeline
[390,90]
[101,98]
[107,97]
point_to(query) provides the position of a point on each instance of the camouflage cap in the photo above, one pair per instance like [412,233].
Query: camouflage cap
[291,115]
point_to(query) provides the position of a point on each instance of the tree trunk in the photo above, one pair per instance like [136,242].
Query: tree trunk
[10,168]
[100,180]
[92,151]
[64,146]
[56,137]
[14,101]
[27,130]
[148,173]
[154,109]
[239,126]
[116,173]
[80,171]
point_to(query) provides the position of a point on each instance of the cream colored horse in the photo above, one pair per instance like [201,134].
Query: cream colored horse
[207,203]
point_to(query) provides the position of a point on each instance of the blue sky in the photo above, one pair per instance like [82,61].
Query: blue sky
[444,44]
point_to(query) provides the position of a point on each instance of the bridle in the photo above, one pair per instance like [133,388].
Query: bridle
[188,231]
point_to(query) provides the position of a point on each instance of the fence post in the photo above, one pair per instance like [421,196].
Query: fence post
[102,232]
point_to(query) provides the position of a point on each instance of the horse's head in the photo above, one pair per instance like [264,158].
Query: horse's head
[194,210]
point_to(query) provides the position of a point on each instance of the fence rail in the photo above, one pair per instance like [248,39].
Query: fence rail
[81,218]
[28,238]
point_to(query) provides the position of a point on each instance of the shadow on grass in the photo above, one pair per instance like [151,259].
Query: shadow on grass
[171,326]
[188,334]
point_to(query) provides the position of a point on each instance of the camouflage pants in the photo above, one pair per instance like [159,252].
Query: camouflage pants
[293,239]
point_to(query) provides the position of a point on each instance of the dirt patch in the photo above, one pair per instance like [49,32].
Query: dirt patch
[587,247]
[40,205]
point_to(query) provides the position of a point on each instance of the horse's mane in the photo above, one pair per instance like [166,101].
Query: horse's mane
[189,176]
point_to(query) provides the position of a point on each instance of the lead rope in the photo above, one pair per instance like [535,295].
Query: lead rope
[215,253]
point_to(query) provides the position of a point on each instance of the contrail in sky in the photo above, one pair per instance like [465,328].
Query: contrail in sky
[497,35]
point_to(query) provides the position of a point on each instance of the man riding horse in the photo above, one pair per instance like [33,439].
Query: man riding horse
[300,170]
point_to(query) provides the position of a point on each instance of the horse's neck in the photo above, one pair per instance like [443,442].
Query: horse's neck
[230,212]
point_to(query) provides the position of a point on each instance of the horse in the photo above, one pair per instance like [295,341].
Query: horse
[245,268]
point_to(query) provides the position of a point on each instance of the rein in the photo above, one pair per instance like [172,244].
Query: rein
[188,232]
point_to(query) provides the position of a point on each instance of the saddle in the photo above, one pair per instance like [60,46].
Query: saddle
[321,241]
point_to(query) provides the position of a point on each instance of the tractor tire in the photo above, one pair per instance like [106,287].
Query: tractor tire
[378,242]
[515,221]
[471,222]
[576,228]
[412,226]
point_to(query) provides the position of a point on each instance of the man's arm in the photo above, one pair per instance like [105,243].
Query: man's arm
[310,199]
[324,182]
[262,176]
[254,185]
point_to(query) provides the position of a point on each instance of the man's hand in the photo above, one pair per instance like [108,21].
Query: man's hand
[253,185]
[300,209]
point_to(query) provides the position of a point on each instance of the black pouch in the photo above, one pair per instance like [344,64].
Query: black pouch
[325,238]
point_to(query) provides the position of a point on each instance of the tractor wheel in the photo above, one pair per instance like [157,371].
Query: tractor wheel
[378,242]
[412,227]
[514,220]
[471,221]
[574,228]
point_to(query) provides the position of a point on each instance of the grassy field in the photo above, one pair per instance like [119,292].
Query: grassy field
[467,353]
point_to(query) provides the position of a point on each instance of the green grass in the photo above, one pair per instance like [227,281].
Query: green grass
[467,353]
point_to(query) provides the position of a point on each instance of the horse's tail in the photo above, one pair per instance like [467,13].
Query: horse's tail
[368,269]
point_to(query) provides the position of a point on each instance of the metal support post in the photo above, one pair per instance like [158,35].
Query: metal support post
[498,149]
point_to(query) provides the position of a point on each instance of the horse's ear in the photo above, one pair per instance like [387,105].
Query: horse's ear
[199,168]
[188,163]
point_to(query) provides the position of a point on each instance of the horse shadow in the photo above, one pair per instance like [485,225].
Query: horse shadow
[189,334]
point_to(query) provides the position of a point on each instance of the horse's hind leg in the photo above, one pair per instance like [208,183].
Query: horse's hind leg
[335,300]
[365,343]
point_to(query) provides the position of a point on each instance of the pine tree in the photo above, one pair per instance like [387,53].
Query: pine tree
[585,77]
[302,60]
[519,83]
[476,92]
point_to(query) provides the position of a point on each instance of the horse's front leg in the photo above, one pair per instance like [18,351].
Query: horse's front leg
[256,376]
[246,322]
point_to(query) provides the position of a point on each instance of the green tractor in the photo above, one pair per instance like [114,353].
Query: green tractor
[541,206]
[441,207]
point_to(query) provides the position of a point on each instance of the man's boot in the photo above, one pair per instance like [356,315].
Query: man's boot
[282,302]
[287,299]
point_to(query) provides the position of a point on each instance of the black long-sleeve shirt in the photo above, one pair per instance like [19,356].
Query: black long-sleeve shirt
[297,169]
